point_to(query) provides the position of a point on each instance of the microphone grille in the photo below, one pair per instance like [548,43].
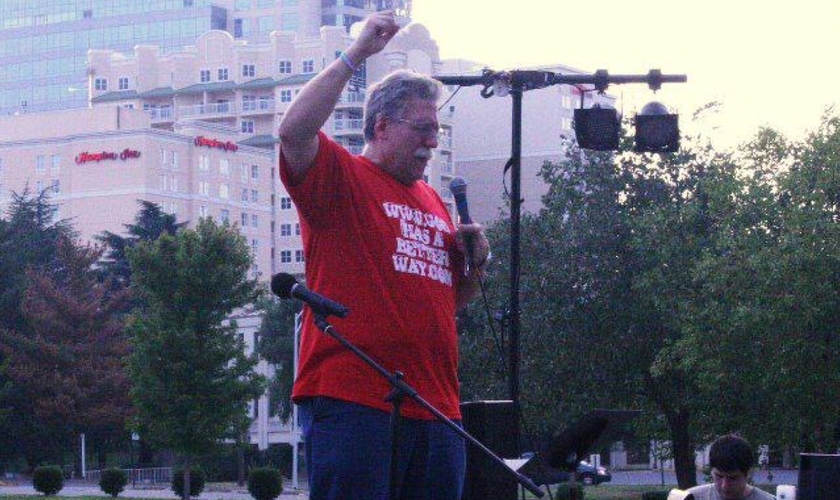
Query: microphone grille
[458,186]
[281,285]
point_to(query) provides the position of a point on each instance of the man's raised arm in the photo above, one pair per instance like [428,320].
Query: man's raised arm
[312,107]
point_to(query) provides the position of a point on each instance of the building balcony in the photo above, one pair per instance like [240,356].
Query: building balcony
[260,106]
[351,100]
[159,115]
[344,126]
[216,109]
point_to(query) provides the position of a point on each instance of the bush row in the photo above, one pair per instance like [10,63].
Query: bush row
[264,483]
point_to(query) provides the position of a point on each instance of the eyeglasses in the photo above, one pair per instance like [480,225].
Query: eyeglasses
[425,128]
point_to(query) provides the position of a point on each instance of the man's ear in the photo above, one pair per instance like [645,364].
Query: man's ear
[381,128]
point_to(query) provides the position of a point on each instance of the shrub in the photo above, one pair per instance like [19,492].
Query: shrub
[48,479]
[655,495]
[564,491]
[197,480]
[113,481]
[265,483]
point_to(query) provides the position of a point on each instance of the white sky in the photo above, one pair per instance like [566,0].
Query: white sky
[769,62]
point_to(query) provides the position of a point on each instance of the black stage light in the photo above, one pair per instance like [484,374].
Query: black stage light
[597,128]
[657,130]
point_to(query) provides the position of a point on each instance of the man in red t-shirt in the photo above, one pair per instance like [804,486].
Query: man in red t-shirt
[378,239]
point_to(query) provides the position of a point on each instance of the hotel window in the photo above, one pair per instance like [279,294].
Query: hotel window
[56,163]
[284,67]
[202,211]
[248,70]
[224,191]
[255,196]
[204,76]
[255,171]
[173,158]
[299,256]
[285,229]
[244,197]
[40,164]
[285,203]
[285,96]
[56,186]
[122,83]
[174,184]
[255,220]
[204,188]
[244,220]
[100,84]
[255,246]
[162,157]
[297,229]
[224,167]
[308,66]
[246,126]
[249,102]
[203,163]
[243,173]
[223,74]
[224,216]
[285,256]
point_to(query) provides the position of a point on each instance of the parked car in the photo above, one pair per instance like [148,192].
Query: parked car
[586,473]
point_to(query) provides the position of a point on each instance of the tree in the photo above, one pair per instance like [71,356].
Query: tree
[149,224]
[28,241]
[68,361]
[276,345]
[613,271]
[192,381]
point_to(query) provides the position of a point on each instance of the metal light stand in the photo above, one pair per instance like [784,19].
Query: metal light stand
[517,82]
[402,389]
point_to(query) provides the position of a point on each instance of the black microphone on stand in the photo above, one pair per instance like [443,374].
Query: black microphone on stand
[286,286]
[458,187]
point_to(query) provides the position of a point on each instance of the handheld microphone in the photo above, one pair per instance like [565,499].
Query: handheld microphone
[458,188]
[286,286]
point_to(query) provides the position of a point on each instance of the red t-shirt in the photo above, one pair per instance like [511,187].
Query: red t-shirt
[386,251]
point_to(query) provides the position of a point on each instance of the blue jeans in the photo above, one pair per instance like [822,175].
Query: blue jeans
[348,454]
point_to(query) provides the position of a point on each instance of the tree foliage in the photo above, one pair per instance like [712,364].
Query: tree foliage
[149,223]
[700,286]
[192,381]
[276,345]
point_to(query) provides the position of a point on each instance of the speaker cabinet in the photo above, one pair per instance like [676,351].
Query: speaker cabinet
[819,476]
[496,425]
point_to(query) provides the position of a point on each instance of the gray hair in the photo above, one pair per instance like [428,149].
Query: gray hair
[388,97]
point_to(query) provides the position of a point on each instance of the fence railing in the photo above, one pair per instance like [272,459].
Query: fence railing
[138,476]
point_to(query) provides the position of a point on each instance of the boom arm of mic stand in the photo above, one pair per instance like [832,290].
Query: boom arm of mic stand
[400,385]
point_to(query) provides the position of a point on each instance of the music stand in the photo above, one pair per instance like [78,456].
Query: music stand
[572,445]
[567,448]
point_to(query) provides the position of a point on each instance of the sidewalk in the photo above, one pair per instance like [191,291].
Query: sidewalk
[213,491]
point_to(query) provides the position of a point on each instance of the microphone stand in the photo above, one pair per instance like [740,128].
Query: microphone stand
[395,397]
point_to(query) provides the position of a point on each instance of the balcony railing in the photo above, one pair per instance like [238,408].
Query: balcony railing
[350,125]
[161,113]
[258,105]
[216,108]
[352,98]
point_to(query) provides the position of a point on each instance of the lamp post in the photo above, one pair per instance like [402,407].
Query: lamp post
[515,83]
[134,439]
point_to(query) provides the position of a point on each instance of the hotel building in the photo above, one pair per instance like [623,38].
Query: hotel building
[44,43]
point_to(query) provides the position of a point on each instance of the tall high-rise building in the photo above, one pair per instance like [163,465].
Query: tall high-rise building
[44,43]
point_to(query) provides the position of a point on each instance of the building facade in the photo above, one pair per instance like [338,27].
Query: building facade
[44,43]
[97,163]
